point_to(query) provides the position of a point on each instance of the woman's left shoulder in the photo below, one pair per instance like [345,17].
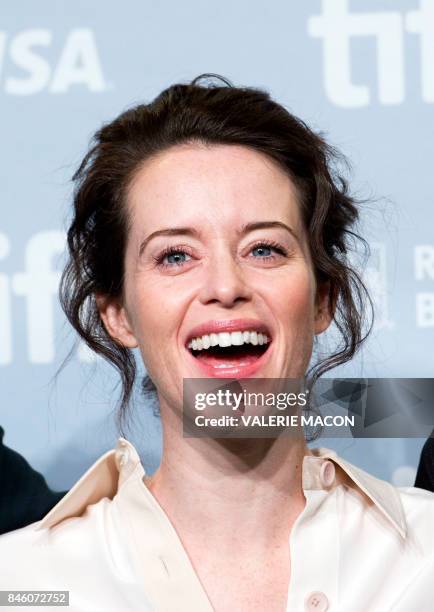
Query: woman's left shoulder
[416,500]
[418,507]
[415,497]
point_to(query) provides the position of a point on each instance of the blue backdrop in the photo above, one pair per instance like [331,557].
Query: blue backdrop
[361,71]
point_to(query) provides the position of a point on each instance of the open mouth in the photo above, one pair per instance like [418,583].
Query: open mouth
[232,353]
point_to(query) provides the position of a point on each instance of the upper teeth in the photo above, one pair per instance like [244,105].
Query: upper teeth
[236,338]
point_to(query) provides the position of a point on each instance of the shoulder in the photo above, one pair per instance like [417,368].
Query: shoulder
[34,542]
[44,552]
[85,534]
[409,510]
[88,556]
[416,497]
[417,551]
[418,505]
[84,545]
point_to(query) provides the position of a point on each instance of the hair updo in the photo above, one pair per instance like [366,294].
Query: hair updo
[210,112]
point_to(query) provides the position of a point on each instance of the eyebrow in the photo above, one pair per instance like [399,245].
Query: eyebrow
[172,231]
[188,231]
[268,224]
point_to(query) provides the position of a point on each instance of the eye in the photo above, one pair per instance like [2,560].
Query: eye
[262,251]
[173,256]
[176,257]
[267,250]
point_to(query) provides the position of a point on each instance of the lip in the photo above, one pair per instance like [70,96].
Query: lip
[245,369]
[217,326]
[241,370]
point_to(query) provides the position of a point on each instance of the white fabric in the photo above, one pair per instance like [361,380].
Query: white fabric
[360,544]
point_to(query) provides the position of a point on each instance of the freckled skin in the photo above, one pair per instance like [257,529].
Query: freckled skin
[214,190]
[232,502]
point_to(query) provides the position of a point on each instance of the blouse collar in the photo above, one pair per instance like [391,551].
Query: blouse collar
[323,470]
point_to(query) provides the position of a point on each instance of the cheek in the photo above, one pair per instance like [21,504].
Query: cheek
[293,300]
[155,313]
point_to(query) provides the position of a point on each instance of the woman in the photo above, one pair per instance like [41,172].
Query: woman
[210,231]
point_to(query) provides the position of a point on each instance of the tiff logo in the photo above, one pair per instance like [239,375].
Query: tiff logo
[38,285]
[337,25]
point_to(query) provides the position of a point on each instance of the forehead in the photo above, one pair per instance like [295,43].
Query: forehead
[223,185]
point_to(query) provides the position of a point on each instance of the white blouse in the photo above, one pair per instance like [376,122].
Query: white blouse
[359,545]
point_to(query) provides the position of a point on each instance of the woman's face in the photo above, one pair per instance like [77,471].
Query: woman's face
[216,256]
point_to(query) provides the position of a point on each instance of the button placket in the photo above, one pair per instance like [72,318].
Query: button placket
[315,541]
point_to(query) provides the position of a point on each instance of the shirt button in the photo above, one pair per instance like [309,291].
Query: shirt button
[316,602]
[122,458]
[327,473]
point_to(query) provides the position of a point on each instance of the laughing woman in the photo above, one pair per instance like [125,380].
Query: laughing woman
[208,218]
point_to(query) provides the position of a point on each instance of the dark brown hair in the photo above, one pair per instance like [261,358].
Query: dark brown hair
[208,110]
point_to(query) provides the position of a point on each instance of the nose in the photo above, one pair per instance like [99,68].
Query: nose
[223,282]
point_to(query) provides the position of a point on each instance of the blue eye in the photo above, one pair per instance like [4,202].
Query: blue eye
[269,251]
[175,258]
[262,251]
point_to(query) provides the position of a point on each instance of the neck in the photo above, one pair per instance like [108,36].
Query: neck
[239,492]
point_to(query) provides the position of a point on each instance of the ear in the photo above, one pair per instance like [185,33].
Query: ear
[116,321]
[324,307]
